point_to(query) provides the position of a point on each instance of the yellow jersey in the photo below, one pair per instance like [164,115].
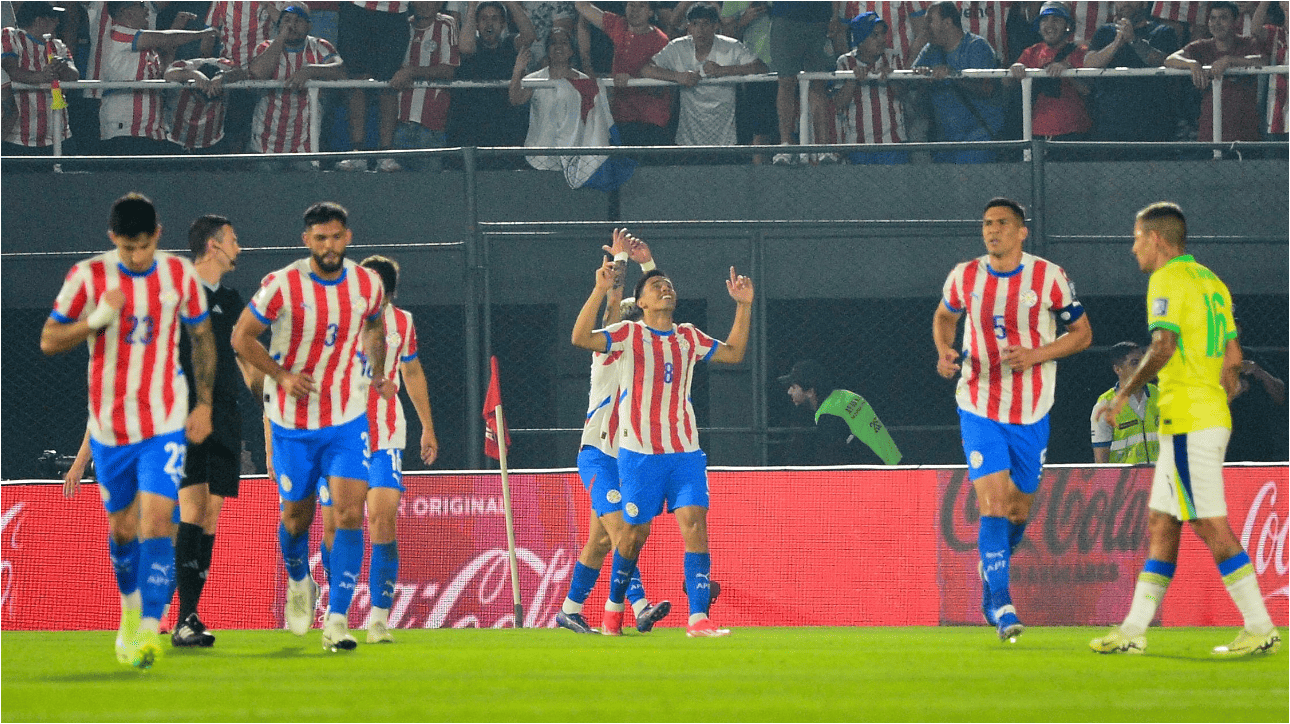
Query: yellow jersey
[1189,300]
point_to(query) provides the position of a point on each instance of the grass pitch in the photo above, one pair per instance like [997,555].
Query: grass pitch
[757,674]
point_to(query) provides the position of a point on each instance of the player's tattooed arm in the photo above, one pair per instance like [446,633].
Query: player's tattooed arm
[203,360]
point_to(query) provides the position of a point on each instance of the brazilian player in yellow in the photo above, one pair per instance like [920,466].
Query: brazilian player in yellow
[1195,352]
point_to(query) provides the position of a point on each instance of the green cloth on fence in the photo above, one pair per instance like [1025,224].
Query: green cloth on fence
[856,412]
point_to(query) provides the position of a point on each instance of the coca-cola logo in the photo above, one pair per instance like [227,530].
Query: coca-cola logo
[1070,508]
[1270,547]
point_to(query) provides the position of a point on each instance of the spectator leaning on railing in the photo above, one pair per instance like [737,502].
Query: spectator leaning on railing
[423,112]
[1138,108]
[1059,112]
[1273,38]
[27,59]
[197,118]
[642,114]
[963,109]
[869,109]
[485,116]
[1224,50]
[242,27]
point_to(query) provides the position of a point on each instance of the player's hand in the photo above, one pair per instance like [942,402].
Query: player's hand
[296,385]
[386,389]
[948,364]
[1113,408]
[198,425]
[605,276]
[268,466]
[619,243]
[72,480]
[740,288]
[1019,358]
[429,447]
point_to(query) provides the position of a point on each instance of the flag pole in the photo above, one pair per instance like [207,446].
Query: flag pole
[510,518]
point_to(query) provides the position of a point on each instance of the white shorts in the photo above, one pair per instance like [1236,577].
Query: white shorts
[1188,483]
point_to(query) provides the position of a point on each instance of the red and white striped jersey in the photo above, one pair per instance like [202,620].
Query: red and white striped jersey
[1018,308]
[126,112]
[281,120]
[656,371]
[101,30]
[387,425]
[989,20]
[897,15]
[242,27]
[601,427]
[1088,17]
[137,389]
[432,45]
[871,115]
[1278,87]
[198,121]
[1179,11]
[32,127]
[382,7]
[317,331]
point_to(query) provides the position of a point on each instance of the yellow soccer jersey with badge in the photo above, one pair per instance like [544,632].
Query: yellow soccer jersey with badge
[1187,298]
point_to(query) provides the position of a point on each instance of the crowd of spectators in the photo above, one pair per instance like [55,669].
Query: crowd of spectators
[208,45]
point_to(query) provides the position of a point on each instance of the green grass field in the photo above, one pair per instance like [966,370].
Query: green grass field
[757,674]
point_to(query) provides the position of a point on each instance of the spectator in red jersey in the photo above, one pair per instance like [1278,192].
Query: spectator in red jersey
[26,59]
[281,120]
[1273,38]
[1059,113]
[423,112]
[869,109]
[1224,50]
[197,123]
[642,114]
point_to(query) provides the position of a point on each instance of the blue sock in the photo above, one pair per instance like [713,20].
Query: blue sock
[1016,531]
[584,579]
[992,541]
[635,589]
[324,553]
[347,564]
[623,570]
[383,573]
[157,561]
[697,586]
[125,563]
[295,552]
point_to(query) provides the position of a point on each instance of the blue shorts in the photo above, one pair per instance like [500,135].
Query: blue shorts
[155,465]
[993,446]
[386,470]
[647,480]
[599,473]
[301,457]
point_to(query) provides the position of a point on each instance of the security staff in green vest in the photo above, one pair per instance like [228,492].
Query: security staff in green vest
[1132,439]
[840,417]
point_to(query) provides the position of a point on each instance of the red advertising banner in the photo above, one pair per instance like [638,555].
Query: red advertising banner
[789,547]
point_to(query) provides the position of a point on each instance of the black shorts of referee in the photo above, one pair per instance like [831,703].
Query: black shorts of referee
[214,463]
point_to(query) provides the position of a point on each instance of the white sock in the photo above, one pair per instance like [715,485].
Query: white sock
[149,624]
[639,606]
[615,607]
[132,601]
[379,615]
[697,617]
[1147,595]
[571,606]
[1243,587]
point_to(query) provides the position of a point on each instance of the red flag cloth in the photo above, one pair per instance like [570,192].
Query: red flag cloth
[491,402]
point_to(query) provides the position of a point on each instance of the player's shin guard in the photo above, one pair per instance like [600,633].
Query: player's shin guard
[1149,591]
[346,565]
[636,589]
[992,541]
[157,561]
[698,586]
[188,543]
[125,564]
[580,585]
[1243,587]
[1016,531]
[383,573]
[295,552]
[623,570]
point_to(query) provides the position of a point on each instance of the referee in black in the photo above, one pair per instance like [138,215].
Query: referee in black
[211,470]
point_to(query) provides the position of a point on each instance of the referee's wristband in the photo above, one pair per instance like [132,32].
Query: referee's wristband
[648,266]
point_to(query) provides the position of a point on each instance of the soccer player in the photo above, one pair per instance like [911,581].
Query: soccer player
[659,456]
[1012,301]
[211,470]
[127,305]
[1194,350]
[324,311]
[598,468]
[387,435]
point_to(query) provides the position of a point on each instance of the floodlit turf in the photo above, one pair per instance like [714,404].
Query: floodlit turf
[757,674]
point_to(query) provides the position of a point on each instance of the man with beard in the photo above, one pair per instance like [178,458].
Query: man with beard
[323,312]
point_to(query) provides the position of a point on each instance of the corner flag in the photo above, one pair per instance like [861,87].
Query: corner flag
[493,403]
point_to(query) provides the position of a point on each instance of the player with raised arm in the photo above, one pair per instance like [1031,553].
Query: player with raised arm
[659,456]
[323,311]
[127,305]
[598,468]
[1195,351]
[1012,301]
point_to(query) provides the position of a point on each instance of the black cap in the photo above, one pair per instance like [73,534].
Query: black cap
[807,374]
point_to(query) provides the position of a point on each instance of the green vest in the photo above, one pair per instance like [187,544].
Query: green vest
[864,424]
[1134,439]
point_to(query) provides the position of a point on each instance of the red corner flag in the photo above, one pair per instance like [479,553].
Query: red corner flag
[492,403]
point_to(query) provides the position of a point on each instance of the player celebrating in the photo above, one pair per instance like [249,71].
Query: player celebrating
[1010,346]
[324,311]
[127,305]
[598,468]
[659,456]
[1194,349]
